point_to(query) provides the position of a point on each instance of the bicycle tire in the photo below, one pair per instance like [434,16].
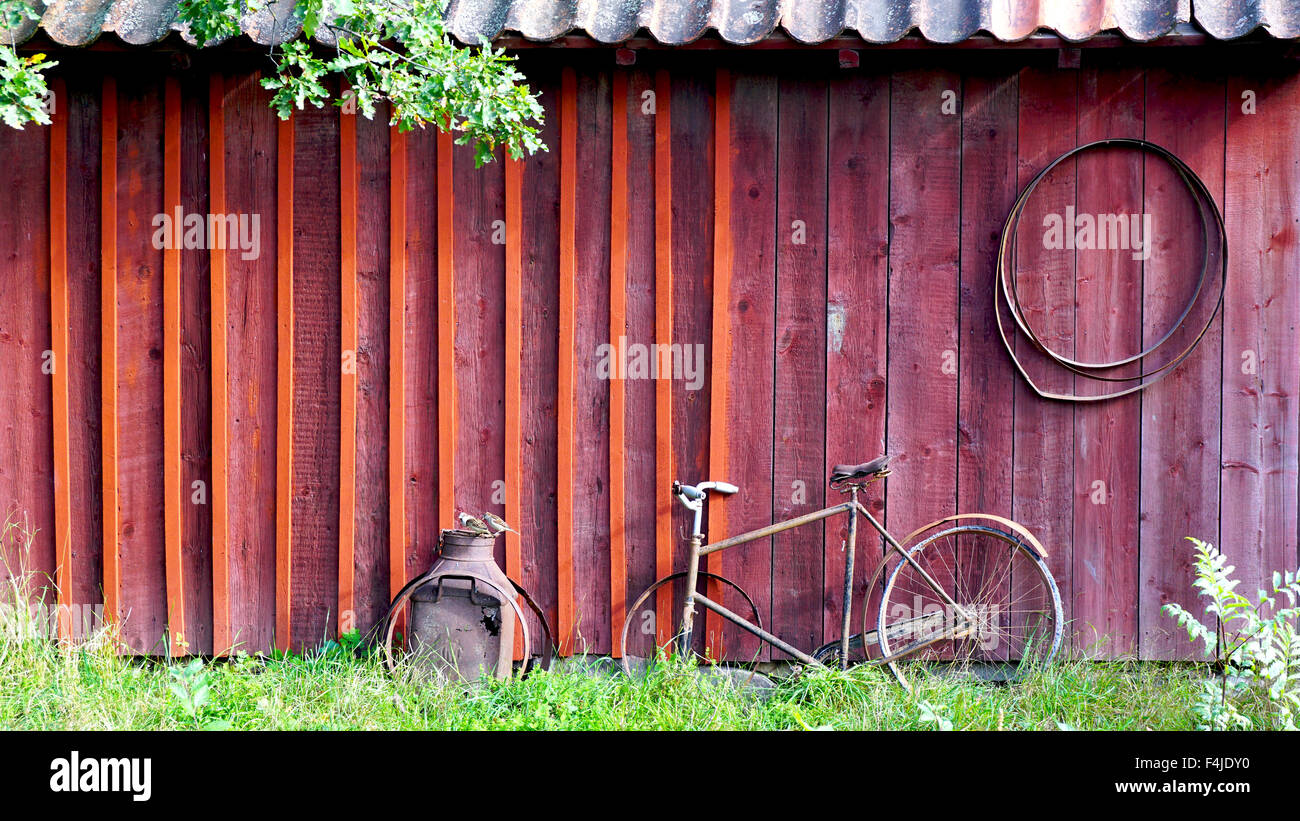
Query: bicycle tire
[899,619]
[672,577]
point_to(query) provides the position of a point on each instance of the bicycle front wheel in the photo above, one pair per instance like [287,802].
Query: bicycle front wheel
[1008,617]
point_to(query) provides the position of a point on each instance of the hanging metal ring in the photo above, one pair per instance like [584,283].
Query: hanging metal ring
[1006,285]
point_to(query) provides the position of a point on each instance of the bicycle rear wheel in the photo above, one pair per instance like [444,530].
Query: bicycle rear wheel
[1014,609]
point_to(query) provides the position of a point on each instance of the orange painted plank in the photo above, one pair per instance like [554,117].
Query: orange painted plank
[284,381]
[173,496]
[617,396]
[664,616]
[514,355]
[220,439]
[348,181]
[446,337]
[397,364]
[59,333]
[514,172]
[567,366]
[721,346]
[108,324]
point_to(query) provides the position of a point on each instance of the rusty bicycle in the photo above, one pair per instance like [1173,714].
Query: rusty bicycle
[967,592]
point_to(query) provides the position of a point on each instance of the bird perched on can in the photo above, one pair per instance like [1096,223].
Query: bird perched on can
[497,524]
[475,526]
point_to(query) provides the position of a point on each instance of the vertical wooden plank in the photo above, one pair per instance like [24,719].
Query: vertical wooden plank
[221,622]
[751,365]
[26,399]
[284,383]
[720,345]
[108,346]
[348,180]
[986,384]
[447,420]
[141,380]
[479,344]
[665,625]
[171,291]
[641,490]
[250,134]
[799,476]
[59,335]
[1044,431]
[1180,414]
[856,311]
[514,398]
[317,354]
[195,371]
[618,265]
[986,381]
[371,546]
[925,208]
[686,369]
[423,322]
[566,366]
[1107,326]
[539,335]
[1261,330]
[85,478]
[397,363]
[591,553]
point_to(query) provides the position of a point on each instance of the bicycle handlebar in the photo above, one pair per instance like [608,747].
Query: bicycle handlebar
[696,493]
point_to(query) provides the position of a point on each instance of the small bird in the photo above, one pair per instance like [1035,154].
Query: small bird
[497,524]
[474,525]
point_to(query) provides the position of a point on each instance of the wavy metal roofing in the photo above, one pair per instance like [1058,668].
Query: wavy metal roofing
[675,22]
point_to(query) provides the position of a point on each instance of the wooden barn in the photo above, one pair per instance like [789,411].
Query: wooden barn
[256,444]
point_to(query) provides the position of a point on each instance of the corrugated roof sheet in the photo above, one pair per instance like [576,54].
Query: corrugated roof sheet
[675,22]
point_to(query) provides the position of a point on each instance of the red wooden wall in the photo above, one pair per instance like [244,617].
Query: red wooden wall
[259,451]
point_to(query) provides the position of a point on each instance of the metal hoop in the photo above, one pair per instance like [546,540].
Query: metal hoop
[1006,285]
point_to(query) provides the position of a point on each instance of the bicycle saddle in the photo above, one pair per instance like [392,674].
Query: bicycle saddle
[867,470]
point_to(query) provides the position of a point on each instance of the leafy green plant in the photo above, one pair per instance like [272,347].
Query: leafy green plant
[1252,643]
[190,684]
[394,51]
[932,714]
[397,51]
[23,90]
[214,20]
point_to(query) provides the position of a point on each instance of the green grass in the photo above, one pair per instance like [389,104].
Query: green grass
[47,686]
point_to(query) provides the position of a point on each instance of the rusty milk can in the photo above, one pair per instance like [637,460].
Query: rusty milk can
[461,624]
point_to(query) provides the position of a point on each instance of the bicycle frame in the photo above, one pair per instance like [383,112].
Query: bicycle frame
[854,509]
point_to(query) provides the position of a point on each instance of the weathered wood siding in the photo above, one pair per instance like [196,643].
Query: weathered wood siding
[257,450]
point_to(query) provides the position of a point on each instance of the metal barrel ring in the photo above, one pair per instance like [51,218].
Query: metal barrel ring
[1006,291]
[390,618]
[549,639]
